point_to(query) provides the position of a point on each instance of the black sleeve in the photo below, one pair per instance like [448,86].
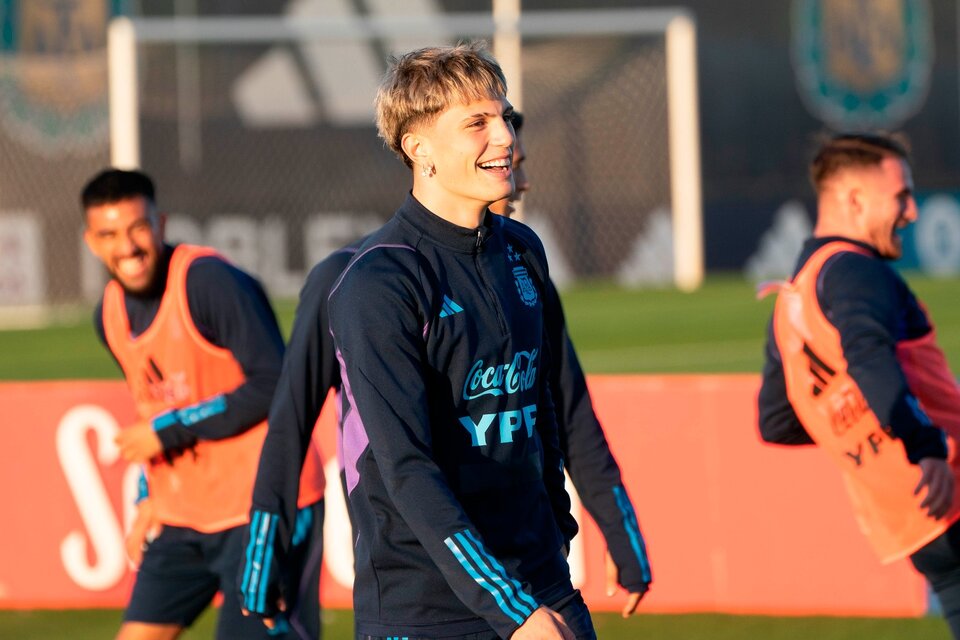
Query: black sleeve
[778,421]
[868,304]
[554,459]
[231,310]
[593,469]
[309,371]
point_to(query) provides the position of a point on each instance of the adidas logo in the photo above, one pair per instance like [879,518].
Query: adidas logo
[819,370]
[449,307]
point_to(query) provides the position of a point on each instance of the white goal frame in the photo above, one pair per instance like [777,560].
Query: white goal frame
[677,25]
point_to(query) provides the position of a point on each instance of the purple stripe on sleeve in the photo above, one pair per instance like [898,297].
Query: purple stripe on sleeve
[338,403]
[355,439]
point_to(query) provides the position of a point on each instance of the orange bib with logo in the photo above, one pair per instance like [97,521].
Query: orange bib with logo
[171,366]
[879,477]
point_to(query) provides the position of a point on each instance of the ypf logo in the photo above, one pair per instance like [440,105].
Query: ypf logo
[863,63]
[53,73]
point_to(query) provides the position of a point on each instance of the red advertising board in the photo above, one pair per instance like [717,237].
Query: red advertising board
[731,525]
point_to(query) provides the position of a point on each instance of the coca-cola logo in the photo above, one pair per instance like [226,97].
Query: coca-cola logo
[508,378]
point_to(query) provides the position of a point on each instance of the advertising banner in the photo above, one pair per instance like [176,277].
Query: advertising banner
[731,525]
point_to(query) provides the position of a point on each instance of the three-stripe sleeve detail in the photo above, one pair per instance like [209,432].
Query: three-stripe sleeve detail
[487,572]
[632,528]
[258,557]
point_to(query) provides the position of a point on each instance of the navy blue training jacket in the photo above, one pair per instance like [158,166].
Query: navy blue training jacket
[450,441]
[310,370]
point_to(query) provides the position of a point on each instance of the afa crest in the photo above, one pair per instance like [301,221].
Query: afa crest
[862,63]
[53,73]
[528,292]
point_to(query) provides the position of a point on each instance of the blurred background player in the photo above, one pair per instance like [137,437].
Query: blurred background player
[201,351]
[592,467]
[852,364]
[450,444]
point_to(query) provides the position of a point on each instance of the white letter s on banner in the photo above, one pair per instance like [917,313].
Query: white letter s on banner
[88,491]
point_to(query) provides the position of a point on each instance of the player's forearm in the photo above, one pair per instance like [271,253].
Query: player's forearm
[214,418]
[617,520]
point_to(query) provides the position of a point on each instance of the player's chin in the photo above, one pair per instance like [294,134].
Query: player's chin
[135,286]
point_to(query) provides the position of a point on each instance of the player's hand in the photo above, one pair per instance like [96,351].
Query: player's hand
[269,623]
[543,624]
[939,481]
[144,528]
[139,442]
[613,581]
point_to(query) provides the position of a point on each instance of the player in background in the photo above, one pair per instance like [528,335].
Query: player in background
[450,445]
[852,365]
[592,467]
[310,370]
[201,351]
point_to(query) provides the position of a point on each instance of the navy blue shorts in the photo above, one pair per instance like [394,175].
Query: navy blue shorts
[183,569]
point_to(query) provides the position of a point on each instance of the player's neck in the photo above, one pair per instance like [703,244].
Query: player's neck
[455,209]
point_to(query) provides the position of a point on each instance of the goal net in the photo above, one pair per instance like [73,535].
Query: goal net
[259,133]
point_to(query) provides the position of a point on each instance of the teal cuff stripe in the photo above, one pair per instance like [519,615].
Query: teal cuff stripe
[633,531]
[202,410]
[193,414]
[511,586]
[143,489]
[267,559]
[258,555]
[164,420]
[302,524]
[248,556]
[465,563]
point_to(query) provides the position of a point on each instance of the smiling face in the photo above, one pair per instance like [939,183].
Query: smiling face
[127,236]
[467,151]
[886,205]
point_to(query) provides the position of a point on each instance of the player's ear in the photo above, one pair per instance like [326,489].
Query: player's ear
[417,148]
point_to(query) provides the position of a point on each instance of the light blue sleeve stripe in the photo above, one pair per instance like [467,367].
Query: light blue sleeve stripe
[302,524]
[202,410]
[633,531]
[143,489]
[193,414]
[164,420]
[261,530]
[465,563]
[267,559]
[514,590]
[248,565]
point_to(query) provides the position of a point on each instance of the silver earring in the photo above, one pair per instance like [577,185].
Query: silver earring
[427,171]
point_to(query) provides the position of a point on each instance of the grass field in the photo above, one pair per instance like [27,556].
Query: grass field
[717,329]
[338,625]
[720,328]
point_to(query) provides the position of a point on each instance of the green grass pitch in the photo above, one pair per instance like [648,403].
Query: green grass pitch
[719,328]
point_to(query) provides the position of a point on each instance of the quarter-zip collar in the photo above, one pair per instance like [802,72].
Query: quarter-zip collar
[447,234]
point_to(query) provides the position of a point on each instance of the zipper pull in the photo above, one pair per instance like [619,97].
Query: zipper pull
[479,239]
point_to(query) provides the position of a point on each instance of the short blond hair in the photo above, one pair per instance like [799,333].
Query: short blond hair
[421,84]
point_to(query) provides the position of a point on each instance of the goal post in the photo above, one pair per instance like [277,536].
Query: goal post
[676,26]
